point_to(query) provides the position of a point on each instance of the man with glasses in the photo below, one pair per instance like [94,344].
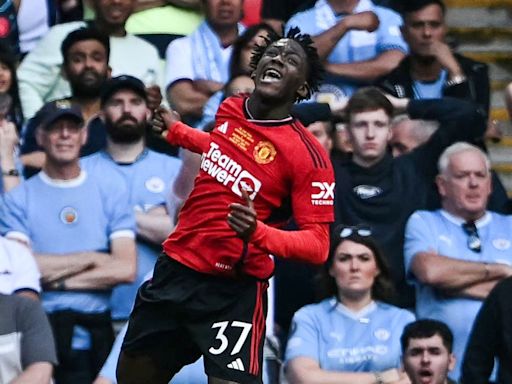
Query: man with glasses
[455,255]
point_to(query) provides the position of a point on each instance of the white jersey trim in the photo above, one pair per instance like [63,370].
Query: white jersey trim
[481,222]
[122,233]
[72,183]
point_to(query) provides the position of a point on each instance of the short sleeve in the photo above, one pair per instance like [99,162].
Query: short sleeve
[13,220]
[313,185]
[25,271]
[389,33]
[178,61]
[419,237]
[304,336]
[37,344]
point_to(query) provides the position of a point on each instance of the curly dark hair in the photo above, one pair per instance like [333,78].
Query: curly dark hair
[315,68]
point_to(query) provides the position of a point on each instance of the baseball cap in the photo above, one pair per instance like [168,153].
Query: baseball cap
[54,110]
[122,82]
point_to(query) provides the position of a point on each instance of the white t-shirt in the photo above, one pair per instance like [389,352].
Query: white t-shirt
[18,268]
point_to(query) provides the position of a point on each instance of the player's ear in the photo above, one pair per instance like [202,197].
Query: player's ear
[303,91]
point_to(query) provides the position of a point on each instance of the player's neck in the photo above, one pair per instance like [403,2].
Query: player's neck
[68,171]
[260,109]
[125,153]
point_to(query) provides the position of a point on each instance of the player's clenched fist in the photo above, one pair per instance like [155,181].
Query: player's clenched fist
[163,118]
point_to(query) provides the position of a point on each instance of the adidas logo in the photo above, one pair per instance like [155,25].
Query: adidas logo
[237,364]
[224,128]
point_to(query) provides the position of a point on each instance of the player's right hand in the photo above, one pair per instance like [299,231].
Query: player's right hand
[242,217]
[164,118]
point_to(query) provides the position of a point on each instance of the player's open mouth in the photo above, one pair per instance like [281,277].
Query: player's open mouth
[271,75]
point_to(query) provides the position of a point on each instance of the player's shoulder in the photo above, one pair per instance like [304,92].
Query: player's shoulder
[305,149]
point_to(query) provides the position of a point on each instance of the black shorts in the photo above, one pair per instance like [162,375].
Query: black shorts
[182,314]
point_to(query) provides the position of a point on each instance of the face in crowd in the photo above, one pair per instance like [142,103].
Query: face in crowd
[223,13]
[62,140]
[354,269]
[465,185]
[86,68]
[427,360]
[114,13]
[423,28]
[126,115]
[369,133]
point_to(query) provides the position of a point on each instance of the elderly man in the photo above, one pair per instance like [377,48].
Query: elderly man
[454,256]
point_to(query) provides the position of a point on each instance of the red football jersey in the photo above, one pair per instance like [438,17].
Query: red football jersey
[284,168]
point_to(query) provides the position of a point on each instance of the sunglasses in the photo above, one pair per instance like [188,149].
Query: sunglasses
[359,230]
[474,242]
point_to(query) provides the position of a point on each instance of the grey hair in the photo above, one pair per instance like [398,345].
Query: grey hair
[420,130]
[444,159]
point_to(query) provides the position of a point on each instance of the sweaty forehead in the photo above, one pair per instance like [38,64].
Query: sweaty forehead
[289,45]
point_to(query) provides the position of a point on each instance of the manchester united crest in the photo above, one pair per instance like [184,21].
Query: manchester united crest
[264,152]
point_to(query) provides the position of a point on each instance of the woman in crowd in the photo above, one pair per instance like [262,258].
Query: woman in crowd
[9,85]
[351,336]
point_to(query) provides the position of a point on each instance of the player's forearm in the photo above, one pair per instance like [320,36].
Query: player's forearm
[187,137]
[447,273]
[368,70]
[309,244]
[54,267]
[36,373]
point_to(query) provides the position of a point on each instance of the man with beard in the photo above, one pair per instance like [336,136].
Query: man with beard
[86,52]
[148,174]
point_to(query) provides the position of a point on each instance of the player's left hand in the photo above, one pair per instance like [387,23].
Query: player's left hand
[242,217]
[154,96]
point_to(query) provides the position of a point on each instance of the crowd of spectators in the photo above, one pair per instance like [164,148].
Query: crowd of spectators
[88,193]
